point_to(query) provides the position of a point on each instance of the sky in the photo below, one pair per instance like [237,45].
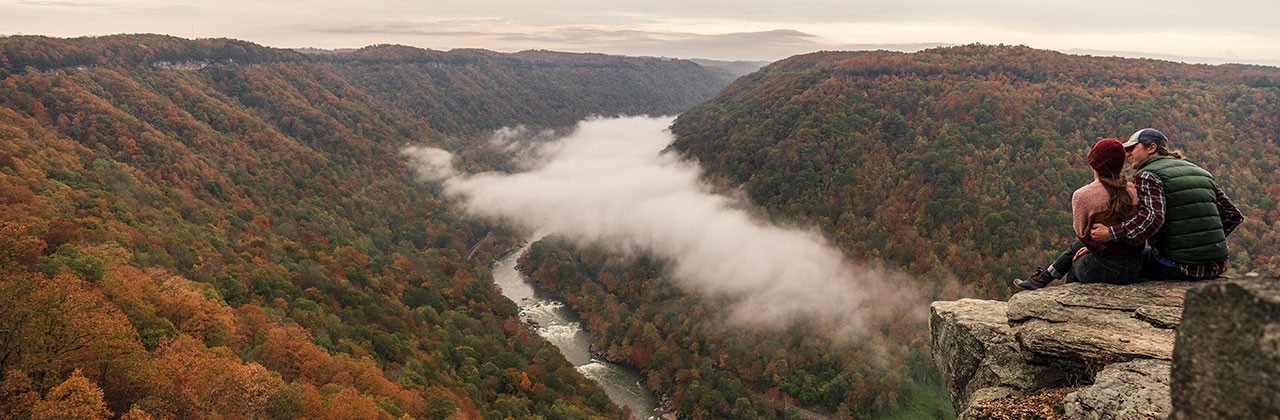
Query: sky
[765,30]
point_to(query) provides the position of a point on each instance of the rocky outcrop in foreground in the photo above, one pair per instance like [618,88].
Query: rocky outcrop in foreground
[1111,350]
[1226,363]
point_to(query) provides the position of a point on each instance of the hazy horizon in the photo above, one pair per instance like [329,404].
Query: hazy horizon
[754,30]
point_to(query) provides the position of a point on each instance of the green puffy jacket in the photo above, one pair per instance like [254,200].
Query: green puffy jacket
[1192,230]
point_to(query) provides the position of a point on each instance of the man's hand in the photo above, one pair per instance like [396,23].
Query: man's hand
[1099,232]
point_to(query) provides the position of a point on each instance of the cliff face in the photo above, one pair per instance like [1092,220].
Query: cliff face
[1111,351]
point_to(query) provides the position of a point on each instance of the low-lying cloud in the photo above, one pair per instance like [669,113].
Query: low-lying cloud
[610,183]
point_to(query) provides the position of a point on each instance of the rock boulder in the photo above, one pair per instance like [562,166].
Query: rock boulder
[1063,336]
[1227,360]
[972,348]
[1130,390]
[1087,326]
[1128,352]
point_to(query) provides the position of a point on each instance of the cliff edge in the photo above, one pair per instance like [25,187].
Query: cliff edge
[1151,350]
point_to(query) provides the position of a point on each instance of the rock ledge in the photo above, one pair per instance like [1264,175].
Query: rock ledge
[1115,342]
[1115,345]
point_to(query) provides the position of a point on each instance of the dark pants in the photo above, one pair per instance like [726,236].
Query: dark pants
[1090,268]
[1155,269]
[1062,265]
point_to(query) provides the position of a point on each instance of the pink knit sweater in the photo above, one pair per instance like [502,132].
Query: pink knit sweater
[1088,201]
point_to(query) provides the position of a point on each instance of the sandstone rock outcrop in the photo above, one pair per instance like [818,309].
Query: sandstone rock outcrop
[975,354]
[1092,325]
[1154,350]
[1130,390]
[1064,336]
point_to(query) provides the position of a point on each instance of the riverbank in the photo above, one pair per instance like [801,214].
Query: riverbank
[551,319]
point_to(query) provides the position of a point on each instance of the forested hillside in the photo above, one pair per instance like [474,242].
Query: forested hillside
[953,163]
[963,160]
[680,342]
[212,226]
[465,89]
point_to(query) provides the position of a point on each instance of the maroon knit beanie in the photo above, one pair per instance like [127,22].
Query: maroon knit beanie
[1107,157]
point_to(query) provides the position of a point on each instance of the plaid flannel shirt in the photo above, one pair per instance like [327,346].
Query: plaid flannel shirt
[1150,217]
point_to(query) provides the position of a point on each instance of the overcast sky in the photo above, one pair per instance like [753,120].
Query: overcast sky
[1197,30]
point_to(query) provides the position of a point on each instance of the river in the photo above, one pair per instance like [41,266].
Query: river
[561,327]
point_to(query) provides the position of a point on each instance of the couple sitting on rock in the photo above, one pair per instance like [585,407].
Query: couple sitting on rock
[1170,223]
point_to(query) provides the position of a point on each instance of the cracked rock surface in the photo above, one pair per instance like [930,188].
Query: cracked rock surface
[1153,350]
[1063,336]
[1091,325]
[1131,390]
[974,353]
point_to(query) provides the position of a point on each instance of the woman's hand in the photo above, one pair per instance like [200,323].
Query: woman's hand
[1082,251]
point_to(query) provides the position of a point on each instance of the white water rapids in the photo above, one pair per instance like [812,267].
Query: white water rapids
[560,326]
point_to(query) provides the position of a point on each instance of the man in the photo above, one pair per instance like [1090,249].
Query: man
[1183,215]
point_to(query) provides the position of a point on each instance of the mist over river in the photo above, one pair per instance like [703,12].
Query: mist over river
[613,182]
[560,326]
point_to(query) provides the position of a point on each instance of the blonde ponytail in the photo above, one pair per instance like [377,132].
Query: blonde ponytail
[1164,151]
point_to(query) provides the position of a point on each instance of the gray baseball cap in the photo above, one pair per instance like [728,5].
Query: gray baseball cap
[1147,135]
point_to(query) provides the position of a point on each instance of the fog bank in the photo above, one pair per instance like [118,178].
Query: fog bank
[609,183]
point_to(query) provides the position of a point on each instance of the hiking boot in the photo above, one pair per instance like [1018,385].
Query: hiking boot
[1038,279]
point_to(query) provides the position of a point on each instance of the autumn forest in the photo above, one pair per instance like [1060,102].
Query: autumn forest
[212,228]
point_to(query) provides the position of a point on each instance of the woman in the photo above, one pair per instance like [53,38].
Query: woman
[1108,200]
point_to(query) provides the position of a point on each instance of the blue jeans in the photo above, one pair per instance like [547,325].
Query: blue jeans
[1090,268]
